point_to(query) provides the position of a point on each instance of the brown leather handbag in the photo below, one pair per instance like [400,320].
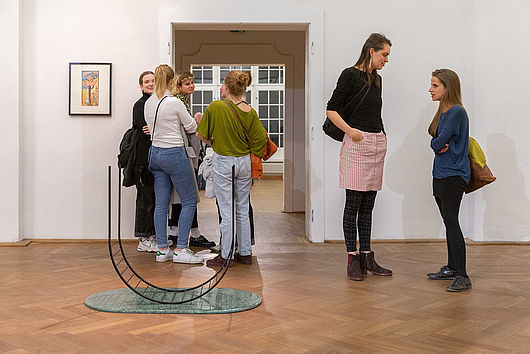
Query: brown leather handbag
[480,172]
[255,161]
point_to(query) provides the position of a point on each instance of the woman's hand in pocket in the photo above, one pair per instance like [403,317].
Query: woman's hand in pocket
[356,135]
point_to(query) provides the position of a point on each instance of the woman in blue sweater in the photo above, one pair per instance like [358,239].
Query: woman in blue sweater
[450,138]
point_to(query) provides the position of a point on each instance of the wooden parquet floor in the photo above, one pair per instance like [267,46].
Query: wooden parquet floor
[309,305]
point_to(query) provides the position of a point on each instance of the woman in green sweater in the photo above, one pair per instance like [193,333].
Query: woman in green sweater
[225,125]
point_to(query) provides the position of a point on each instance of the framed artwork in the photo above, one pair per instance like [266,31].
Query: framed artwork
[89,89]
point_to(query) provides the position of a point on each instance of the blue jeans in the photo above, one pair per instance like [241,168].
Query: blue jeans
[222,180]
[171,167]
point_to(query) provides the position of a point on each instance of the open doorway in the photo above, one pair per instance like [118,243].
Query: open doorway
[269,50]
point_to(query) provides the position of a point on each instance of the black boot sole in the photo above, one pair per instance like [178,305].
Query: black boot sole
[440,278]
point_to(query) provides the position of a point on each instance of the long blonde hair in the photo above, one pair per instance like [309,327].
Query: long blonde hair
[163,76]
[452,96]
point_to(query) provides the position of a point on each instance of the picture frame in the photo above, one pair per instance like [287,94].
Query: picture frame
[89,89]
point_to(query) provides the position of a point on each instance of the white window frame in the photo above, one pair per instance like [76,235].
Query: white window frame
[253,89]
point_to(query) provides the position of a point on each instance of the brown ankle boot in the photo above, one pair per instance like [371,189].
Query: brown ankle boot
[354,269]
[368,263]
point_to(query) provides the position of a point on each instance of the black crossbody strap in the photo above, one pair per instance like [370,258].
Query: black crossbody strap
[153,132]
[156,115]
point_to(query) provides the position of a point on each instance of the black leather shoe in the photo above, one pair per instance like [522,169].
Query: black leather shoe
[460,283]
[201,241]
[445,273]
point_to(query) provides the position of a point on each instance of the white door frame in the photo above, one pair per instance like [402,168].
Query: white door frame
[293,17]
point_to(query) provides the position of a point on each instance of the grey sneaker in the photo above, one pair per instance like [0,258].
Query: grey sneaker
[165,255]
[154,244]
[460,283]
[144,244]
[186,256]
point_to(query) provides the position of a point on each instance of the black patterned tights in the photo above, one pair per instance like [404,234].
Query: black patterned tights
[358,216]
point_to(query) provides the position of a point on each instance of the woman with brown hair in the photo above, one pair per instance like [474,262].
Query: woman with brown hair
[144,227]
[183,89]
[451,172]
[225,125]
[355,108]
[168,161]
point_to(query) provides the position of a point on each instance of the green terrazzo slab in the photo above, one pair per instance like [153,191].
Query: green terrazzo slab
[218,300]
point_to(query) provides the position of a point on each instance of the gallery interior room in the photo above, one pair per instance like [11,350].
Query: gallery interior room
[70,74]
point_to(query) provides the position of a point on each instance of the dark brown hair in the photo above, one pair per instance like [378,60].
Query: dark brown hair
[376,41]
[237,82]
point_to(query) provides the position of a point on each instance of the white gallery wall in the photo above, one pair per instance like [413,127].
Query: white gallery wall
[10,72]
[55,177]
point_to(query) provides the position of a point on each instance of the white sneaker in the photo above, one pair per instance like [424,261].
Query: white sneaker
[165,255]
[154,244]
[144,244]
[186,256]
[173,230]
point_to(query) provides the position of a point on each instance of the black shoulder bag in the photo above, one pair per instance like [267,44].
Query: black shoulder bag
[331,129]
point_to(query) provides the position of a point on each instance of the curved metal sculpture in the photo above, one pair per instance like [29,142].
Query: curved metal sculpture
[144,288]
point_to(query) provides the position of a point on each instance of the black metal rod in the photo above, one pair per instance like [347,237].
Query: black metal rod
[109,212]
[119,206]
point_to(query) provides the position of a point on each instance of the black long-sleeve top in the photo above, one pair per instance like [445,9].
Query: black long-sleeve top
[144,140]
[367,118]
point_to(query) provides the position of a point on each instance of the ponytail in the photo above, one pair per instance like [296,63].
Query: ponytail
[163,75]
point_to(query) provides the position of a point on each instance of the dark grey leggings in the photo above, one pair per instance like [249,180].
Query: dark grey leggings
[358,217]
[448,195]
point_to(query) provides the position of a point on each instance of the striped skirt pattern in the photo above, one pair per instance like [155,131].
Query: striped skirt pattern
[361,163]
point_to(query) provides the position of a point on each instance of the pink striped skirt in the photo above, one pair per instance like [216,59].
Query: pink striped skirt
[361,163]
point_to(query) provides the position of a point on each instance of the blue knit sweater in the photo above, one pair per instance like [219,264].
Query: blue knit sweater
[453,129]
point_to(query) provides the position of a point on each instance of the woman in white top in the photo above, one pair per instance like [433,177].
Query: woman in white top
[168,161]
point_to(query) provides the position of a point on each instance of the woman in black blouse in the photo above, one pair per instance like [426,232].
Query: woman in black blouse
[144,227]
[355,108]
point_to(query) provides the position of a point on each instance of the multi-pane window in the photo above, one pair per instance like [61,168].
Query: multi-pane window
[270,112]
[266,94]
[203,74]
[223,70]
[200,100]
[271,74]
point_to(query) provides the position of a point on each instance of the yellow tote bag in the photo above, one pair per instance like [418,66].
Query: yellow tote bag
[480,172]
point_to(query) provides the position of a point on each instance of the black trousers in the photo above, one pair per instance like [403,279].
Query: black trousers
[175,214]
[357,217]
[145,207]
[448,195]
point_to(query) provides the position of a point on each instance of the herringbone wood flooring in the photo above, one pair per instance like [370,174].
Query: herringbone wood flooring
[309,305]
